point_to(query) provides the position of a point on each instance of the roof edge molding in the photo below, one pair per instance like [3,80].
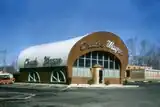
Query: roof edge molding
[99,41]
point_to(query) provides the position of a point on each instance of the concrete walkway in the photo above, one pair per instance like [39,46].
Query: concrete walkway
[50,86]
[103,86]
[42,84]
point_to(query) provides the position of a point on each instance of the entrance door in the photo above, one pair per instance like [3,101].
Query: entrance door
[128,74]
[100,76]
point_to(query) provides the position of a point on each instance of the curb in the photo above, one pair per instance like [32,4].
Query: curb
[60,88]
[24,89]
[102,86]
[41,84]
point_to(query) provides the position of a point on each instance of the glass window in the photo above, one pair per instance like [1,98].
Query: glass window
[81,62]
[88,55]
[111,65]
[94,55]
[94,62]
[80,72]
[111,57]
[75,63]
[105,64]
[81,56]
[100,55]
[88,64]
[105,56]
[116,65]
[100,63]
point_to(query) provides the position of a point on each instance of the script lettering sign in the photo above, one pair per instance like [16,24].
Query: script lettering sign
[109,44]
[30,63]
[49,62]
[85,45]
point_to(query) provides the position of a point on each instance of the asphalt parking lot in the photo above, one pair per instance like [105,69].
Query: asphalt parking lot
[147,95]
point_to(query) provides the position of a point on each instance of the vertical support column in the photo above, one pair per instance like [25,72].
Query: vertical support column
[91,62]
[108,66]
[84,73]
[121,74]
[114,70]
[103,68]
[77,68]
[97,58]
[95,75]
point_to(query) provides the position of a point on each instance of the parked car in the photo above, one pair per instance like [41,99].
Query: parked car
[6,78]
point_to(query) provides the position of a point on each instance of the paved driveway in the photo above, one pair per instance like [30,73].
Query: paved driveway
[145,96]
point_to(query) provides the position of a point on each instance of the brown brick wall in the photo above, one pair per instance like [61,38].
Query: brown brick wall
[137,75]
[84,80]
[112,80]
[80,80]
[44,74]
[23,77]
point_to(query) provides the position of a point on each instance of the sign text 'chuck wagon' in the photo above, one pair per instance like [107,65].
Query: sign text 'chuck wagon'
[48,62]
[109,44]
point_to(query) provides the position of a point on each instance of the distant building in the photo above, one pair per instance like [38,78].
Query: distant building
[9,69]
[141,73]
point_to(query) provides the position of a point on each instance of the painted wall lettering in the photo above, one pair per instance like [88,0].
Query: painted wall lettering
[109,44]
[30,63]
[85,45]
[48,62]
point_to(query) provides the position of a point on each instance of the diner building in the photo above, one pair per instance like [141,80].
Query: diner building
[100,57]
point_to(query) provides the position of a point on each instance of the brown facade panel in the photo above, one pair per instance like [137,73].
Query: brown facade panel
[44,74]
[112,80]
[85,80]
[80,80]
[45,77]
[23,77]
[137,75]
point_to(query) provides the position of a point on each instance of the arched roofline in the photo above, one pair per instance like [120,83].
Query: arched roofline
[102,37]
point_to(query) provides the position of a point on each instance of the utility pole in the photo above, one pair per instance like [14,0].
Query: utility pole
[4,60]
[4,54]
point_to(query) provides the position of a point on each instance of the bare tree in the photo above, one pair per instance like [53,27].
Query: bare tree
[143,49]
[131,44]
[146,49]
[152,56]
[149,54]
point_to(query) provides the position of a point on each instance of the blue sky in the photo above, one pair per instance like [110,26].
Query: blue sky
[29,22]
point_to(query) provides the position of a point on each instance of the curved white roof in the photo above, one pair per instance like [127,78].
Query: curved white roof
[59,49]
